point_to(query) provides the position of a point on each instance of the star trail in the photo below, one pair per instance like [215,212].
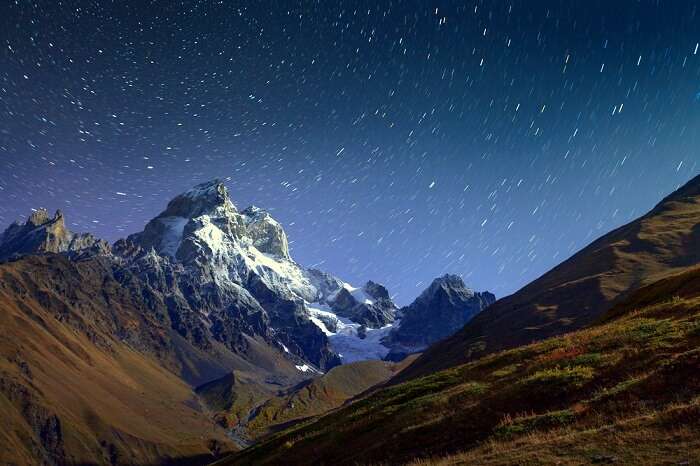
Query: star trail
[396,141]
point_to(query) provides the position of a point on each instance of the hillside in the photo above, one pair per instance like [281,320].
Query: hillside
[582,288]
[83,376]
[253,411]
[597,395]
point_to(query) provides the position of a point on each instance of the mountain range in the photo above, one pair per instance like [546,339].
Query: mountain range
[111,352]
[200,339]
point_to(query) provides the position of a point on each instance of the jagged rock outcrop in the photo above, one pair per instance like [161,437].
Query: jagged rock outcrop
[44,234]
[440,310]
[267,234]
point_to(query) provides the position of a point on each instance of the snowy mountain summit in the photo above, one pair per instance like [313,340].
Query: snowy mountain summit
[230,249]
[203,228]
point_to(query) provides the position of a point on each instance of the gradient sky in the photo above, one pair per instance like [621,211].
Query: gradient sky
[396,141]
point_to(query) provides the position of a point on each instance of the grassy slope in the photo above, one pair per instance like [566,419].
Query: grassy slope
[74,396]
[603,391]
[576,292]
[254,411]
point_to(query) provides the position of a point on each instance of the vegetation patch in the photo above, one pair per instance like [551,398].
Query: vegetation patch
[511,427]
[607,393]
[560,377]
[505,371]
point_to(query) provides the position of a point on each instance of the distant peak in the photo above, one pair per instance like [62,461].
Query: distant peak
[450,280]
[446,283]
[38,217]
[42,233]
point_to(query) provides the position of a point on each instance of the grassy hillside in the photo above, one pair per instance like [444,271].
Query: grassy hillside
[579,290]
[611,392]
[252,411]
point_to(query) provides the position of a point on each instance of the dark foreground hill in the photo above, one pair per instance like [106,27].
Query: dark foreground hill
[625,390]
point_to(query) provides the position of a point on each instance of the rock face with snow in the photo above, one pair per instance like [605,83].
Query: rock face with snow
[369,306]
[440,310]
[203,229]
[233,256]
[235,269]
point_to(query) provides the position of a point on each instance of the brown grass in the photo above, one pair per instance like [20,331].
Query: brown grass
[602,392]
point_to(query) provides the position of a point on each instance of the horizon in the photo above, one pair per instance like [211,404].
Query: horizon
[400,300]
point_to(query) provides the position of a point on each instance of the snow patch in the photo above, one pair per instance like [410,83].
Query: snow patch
[359,294]
[211,235]
[346,341]
[303,368]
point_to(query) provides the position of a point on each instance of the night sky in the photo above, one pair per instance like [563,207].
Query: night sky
[396,141]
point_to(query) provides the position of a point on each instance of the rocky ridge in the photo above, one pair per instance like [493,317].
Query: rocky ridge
[42,233]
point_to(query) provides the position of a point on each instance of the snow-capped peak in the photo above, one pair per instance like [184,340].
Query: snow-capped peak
[202,228]
[203,231]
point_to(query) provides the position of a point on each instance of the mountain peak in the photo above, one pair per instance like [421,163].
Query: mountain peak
[206,216]
[440,310]
[202,199]
[445,282]
[42,233]
[41,217]
[208,189]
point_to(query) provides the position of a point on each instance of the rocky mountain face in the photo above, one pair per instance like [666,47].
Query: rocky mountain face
[42,233]
[442,309]
[239,261]
[91,370]
[369,306]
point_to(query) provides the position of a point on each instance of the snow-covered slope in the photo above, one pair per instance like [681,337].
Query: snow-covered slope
[351,340]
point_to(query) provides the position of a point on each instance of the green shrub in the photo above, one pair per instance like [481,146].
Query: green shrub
[505,371]
[623,386]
